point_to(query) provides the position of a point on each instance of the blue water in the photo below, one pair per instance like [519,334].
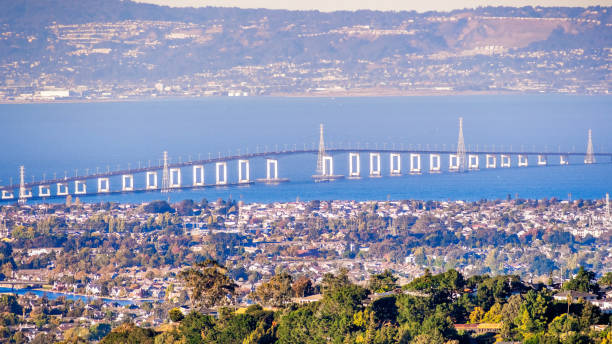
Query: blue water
[56,139]
[53,296]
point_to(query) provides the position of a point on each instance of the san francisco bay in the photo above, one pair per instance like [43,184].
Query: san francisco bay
[61,139]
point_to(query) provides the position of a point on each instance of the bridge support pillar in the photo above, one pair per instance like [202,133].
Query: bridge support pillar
[221,178]
[505,161]
[272,172]
[244,174]
[62,189]
[473,162]
[7,194]
[395,164]
[415,163]
[151,180]
[24,193]
[434,163]
[563,160]
[542,161]
[453,163]
[175,178]
[44,191]
[490,161]
[198,175]
[328,166]
[354,165]
[103,185]
[375,165]
[127,182]
[272,169]
[523,161]
[80,187]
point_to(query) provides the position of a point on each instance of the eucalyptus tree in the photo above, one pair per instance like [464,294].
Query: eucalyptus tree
[209,284]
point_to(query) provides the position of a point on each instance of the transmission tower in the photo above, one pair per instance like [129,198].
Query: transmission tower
[590,154]
[22,189]
[321,154]
[461,147]
[165,175]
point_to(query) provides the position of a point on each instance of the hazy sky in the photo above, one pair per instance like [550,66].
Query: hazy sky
[333,5]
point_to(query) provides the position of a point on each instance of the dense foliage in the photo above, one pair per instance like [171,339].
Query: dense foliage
[425,310]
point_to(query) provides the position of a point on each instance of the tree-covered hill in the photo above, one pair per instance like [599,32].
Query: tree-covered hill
[444,308]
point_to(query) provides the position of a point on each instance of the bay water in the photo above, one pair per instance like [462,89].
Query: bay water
[57,139]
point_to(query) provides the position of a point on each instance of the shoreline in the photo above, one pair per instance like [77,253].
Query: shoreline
[110,298]
[94,296]
[366,93]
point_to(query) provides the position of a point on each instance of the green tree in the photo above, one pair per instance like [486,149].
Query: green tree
[385,309]
[232,330]
[476,316]
[208,283]
[98,331]
[302,287]
[496,289]
[562,324]
[176,315]
[298,325]
[438,324]
[129,333]
[194,325]
[276,292]
[170,337]
[532,317]
[327,321]
[605,280]
[590,315]
[383,282]
[494,314]
[583,281]
[260,335]
[442,287]
[509,316]
[333,282]
[9,304]
[77,335]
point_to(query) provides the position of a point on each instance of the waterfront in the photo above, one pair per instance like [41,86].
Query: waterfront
[69,296]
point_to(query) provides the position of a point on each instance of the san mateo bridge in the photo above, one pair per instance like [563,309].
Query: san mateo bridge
[459,160]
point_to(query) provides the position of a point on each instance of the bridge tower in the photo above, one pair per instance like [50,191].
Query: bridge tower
[321,155]
[22,189]
[165,175]
[590,154]
[461,148]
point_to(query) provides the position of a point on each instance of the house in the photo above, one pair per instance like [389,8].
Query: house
[605,305]
[307,299]
[479,328]
[575,296]
[93,289]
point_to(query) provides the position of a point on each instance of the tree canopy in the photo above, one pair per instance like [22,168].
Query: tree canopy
[209,284]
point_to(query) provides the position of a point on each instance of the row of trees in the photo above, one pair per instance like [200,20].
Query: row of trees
[423,311]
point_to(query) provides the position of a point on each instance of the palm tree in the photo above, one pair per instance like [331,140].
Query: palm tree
[209,284]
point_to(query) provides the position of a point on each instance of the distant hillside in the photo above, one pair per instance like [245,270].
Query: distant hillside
[84,42]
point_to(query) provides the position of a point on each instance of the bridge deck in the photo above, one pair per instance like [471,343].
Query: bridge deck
[278,154]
